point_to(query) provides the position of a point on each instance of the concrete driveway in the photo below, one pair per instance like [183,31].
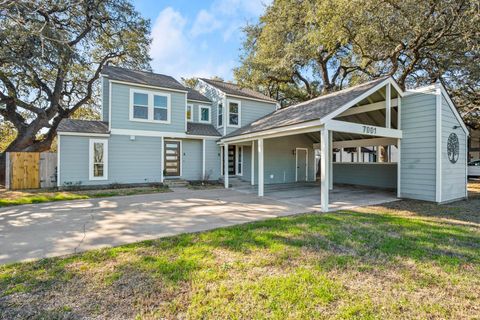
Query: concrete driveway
[58,228]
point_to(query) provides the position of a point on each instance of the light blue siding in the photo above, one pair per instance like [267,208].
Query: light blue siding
[121,108]
[105,97]
[215,95]
[453,174]
[212,160]
[418,146]
[129,161]
[250,111]
[381,175]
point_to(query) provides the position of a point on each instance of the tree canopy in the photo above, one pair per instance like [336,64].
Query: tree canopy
[301,49]
[51,55]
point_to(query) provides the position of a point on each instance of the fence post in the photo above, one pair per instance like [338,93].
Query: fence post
[7,170]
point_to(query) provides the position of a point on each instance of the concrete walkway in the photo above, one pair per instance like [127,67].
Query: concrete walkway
[58,228]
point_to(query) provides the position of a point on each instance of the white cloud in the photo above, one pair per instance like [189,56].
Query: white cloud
[168,35]
[205,22]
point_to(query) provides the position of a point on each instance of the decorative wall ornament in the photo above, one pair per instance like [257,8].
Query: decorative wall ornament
[453,147]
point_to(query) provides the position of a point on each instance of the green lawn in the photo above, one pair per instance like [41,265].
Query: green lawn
[404,260]
[12,198]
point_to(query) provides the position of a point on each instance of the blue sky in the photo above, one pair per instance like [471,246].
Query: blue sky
[198,38]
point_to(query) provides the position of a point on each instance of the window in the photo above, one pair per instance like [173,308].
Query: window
[189,112]
[160,108]
[220,115]
[204,115]
[234,114]
[149,106]
[140,105]
[98,159]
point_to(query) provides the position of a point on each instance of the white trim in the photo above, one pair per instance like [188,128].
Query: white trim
[399,169]
[83,134]
[90,159]
[225,165]
[151,133]
[109,105]
[296,163]
[191,112]
[101,96]
[224,115]
[239,103]
[324,174]
[438,123]
[203,159]
[260,168]
[252,165]
[330,161]
[58,160]
[357,128]
[361,97]
[197,101]
[185,115]
[388,106]
[248,98]
[181,156]
[162,159]
[200,107]
[237,153]
[368,108]
[147,86]
[399,113]
[151,107]
[218,113]
[364,142]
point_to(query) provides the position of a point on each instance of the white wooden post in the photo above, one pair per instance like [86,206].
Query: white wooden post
[7,167]
[324,143]
[341,155]
[252,166]
[388,106]
[399,169]
[330,160]
[225,165]
[359,153]
[260,167]
[162,158]
[203,159]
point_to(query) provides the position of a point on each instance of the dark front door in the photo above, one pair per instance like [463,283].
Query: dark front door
[231,160]
[172,158]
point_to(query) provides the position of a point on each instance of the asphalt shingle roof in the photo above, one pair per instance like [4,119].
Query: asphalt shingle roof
[306,111]
[142,77]
[195,95]
[202,129]
[83,126]
[236,90]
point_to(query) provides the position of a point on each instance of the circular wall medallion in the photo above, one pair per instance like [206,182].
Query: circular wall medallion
[453,148]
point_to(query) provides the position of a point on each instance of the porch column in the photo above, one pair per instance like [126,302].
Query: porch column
[388,106]
[359,154]
[330,160]
[225,165]
[399,171]
[162,158]
[260,167]
[324,175]
[203,159]
[252,165]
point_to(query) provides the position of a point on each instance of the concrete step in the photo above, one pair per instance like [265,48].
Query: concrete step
[172,183]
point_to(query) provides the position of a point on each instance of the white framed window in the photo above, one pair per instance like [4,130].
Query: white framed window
[220,115]
[239,162]
[150,106]
[204,114]
[189,114]
[234,113]
[98,159]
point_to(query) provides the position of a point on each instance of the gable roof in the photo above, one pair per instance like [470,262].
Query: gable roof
[142,77]
[195,95]
[235,90]
[83,126]
[314,109]
[201,129]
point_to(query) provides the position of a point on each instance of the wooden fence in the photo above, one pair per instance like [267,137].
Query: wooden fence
[2,169]
[30,170]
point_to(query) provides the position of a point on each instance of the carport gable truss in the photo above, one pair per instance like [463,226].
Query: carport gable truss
[364,115]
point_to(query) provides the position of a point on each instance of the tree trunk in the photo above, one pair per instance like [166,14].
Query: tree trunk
[29,143]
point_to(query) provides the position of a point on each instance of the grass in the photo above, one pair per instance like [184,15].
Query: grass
[406,259]
[12,198]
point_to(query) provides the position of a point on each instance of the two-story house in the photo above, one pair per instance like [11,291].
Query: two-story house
[154,128]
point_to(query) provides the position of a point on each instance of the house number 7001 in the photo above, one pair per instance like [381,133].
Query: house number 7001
[369,130]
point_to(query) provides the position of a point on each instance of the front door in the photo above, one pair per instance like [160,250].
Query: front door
[172,158]
[301,174]
[231,160]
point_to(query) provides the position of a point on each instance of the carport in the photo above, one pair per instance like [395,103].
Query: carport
[321,130]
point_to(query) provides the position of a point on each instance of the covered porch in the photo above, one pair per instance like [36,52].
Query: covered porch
[334,151]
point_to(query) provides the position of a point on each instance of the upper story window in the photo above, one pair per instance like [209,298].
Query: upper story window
[98,159]
[234,113]
[148,106]
[140,105]
[220,115]
[189,114]
[204,114]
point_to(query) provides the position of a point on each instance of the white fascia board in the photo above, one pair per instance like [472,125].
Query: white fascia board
[369,107]
[148,86]
[199,101]
[147,133]
[353,102]
[83,134]
[310,126]
[365,142]
[253,99]
[356,128]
